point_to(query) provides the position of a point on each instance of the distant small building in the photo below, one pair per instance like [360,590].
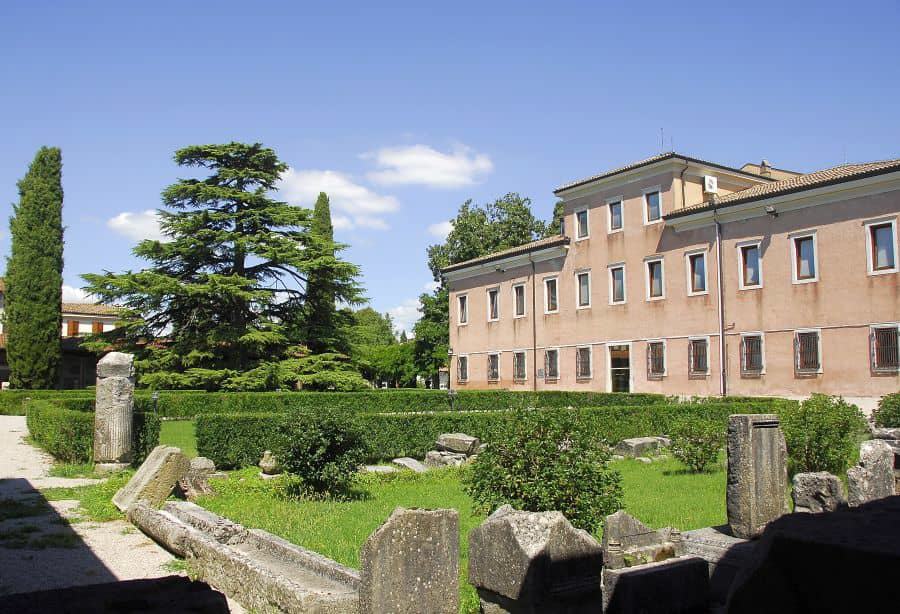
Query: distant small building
[78,368]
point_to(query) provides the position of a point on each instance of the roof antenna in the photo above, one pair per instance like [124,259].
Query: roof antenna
[662,140]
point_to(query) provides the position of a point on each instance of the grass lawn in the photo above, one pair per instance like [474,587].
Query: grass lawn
[179,433]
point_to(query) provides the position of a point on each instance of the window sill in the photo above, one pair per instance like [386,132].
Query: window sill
[582,307]
[873,273]
[699,375]
[618,303]
[806,373]
[743,288]
[653,299]
[551,380]
[656,377]
[577,239]
[800,282]
[584,379]
[653,222]
[882,372]
[615,231]
[703,293]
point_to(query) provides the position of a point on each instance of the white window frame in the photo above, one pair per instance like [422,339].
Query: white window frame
[792,245]
[488,294]
[662,277]
[657,376]
[762,354]
[488,365]
[555,281]
[578,275]
[464,357]
[872,355]
[646,205]
[609,367]
[524,355]
[870,264]
[739,247]
[459,300]
[689,274]
[546,370]
[609,203]
[796,343]
[610,268]
[590,375]
[524,300]
[691,371]
[587,223]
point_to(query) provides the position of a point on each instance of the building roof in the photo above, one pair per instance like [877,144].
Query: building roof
[554,241]
[809,181]
[652,160]
[90,309]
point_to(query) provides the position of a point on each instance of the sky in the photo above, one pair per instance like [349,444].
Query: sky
[403,111]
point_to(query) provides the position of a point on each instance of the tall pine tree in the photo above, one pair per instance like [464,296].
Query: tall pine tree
[34,275]
[227,290]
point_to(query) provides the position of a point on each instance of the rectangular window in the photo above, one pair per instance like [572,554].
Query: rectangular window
[583,363]
[696,266]
[582,230]
[462,369]
[463,304]
[751,355]
[652,207]
[584,289]
[698,357]
[493,367]
[494,304]
[72,328]
[655,287]
[551,301]
[885,349]
[656,359]
[882,242]
[807,351]
[617,284]
[519,369]
[96,327]
[751,266]
[551,364]
[616,221]
[519,300]
[804,258]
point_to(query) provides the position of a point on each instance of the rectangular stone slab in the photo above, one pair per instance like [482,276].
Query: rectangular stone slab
[155,478]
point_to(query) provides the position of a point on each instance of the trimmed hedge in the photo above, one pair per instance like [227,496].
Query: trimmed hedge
[68,435]
[235,440]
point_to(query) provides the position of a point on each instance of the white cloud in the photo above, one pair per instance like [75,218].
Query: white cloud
[356,205]
[424,165]
[137,225]
[405,315]
[441,229]
[71,294]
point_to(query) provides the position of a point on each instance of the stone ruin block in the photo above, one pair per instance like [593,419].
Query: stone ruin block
[679,585]
[457,442]
[628,542]
[155,478]
[534,562]
[817,492]
[411,464]
[873,477]
[410,564]
[436,459]
[757,473]
[195,482]
[114,412]
[641,446]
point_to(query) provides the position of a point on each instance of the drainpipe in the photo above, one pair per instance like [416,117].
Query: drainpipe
[720,292]
[534,359]
[683,171]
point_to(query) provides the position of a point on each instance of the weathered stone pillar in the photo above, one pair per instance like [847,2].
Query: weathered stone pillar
[114,412]
[410,564]
[873,477]
[757,473]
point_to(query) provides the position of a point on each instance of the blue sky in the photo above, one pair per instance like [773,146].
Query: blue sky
[402,111]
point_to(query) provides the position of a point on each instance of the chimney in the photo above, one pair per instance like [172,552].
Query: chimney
[765,169]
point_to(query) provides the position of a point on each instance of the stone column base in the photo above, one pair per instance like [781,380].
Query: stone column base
[107,468]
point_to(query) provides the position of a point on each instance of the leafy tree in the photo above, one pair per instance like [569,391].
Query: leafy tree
[369,327]
[226,292]
[34,275]
[477,231]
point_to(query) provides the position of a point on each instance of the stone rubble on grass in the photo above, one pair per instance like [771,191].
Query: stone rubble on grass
[437,458]
[457,442]
[641,446]
[817,492]
[269,466]
[643,459]
[628,542]
[873,477]
[155,478]
[411,464]
[378,469]
[195,482]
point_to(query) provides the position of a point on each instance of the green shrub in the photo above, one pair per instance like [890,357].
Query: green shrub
[145,435]
[888,412]
[321,450]
[822,434]
[697,443]
[236,440]
[544,461]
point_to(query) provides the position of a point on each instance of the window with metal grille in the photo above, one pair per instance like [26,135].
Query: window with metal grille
[551,364]
[806,346]
[583,363]
[519,296]
[519,372]
[751,354]
[493,367]
[698,362]
[886,349]
[462,368]
[656,359]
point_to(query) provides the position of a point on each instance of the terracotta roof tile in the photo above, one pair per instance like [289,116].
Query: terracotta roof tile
[92,309]
[512,251]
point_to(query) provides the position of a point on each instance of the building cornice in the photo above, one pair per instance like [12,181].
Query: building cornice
[508,262]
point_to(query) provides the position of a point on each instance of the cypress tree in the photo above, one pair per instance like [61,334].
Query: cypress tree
[324,325]
[34,275]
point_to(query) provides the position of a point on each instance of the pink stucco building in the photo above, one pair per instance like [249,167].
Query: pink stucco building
[686,277]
